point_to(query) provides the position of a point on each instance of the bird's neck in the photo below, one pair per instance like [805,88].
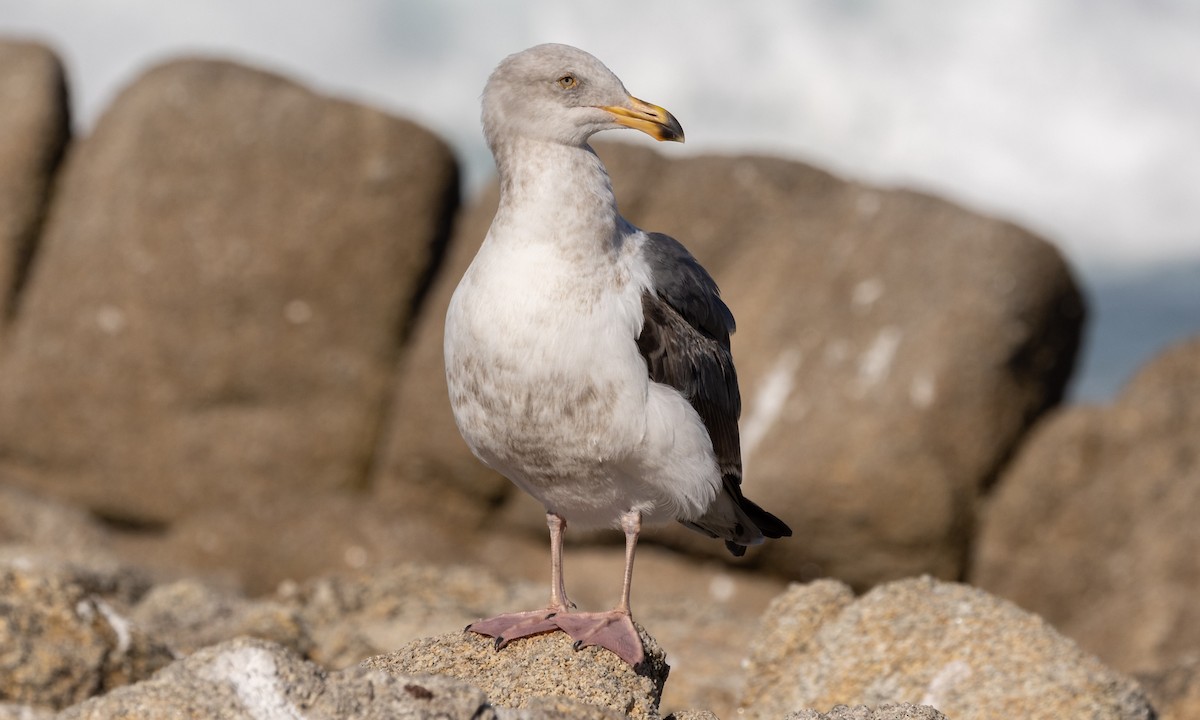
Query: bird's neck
[566,188]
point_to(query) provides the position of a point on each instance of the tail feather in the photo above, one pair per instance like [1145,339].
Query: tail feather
[738,520]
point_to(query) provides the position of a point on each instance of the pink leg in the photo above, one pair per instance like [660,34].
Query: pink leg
[512,626]
[614,629]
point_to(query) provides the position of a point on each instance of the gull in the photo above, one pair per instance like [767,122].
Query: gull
[588,361]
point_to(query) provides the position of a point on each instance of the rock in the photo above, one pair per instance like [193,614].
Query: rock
[1176,690]
[1094,524]
[61,642]
[34,130]
[188,615]
[354,617]
[892,351]
[862,712]
[218,300]
[948,646]
[251,679]
[255,547]
[543,666]
[12,711]
[37,534]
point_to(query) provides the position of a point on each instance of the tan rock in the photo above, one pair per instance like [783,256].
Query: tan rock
[215,311]
[921,641]
[1094,524]
[862,712]
[543,666]
[34,130]
[1175,691]
[61,642]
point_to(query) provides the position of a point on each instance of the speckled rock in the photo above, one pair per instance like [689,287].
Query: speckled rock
[862,712]
[540,666]
[34,129]
[949,646]
[254,679]
[1093,526]
[61,642]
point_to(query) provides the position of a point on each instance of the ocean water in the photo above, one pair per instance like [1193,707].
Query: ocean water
[1075,118]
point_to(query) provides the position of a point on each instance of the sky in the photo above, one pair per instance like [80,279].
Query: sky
[1079,119]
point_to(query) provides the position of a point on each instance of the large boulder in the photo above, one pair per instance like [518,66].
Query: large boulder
[1094,524]
[34,129]
[921,641]
[892,350]
[216,309]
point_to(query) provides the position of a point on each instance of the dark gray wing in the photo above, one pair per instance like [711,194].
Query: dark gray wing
[685,341]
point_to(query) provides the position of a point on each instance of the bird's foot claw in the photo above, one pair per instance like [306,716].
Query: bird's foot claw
[514,626]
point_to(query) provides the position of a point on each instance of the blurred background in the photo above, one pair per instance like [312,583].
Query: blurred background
[1077,119]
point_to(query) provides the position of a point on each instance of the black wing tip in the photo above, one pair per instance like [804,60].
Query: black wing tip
[770,526]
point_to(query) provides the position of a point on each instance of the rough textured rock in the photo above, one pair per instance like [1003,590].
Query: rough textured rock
[1175,691]
[862,712]
[215,310]
[949,646]
[62,642]
[34,129]
[1094,525]
[252,679]
[540,666]
[892,350]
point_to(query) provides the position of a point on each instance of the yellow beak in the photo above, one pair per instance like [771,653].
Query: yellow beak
[650,119]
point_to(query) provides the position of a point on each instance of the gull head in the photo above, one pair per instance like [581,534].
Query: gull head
[561,94]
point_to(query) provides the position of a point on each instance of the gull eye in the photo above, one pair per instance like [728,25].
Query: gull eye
[568,82]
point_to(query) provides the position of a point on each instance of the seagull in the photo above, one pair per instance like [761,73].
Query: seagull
[588,361]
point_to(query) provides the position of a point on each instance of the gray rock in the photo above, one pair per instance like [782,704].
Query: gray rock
[892,350]
[921,641]
[558,708]
[61,642]
[862,712]
[188,615]
[354,617]
[252,679]
[34,130]
[216,307]
[1093,526]
[543,666]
